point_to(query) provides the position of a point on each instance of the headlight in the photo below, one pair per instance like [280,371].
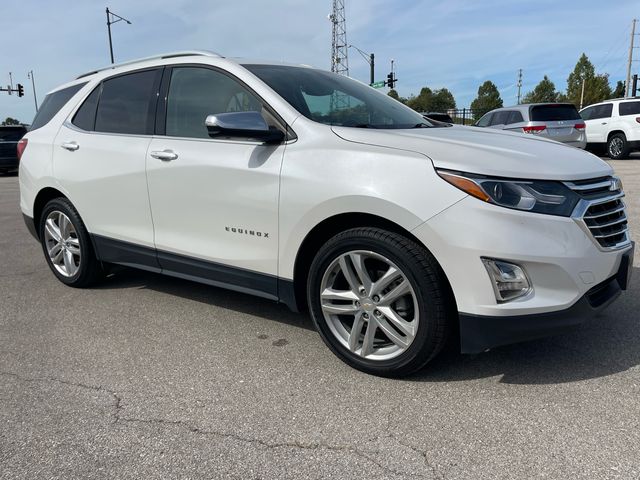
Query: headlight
[540,196]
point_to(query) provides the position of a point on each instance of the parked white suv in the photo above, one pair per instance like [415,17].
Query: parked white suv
[614,125]
[315,190]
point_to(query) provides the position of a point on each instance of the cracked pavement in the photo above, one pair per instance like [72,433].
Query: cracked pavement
[146,376]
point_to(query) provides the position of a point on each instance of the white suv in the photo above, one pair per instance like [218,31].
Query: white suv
[315,190]
[615,125]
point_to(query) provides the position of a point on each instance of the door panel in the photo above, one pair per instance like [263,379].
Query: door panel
[217,201]
[105,180]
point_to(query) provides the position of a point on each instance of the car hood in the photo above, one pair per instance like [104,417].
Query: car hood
[487,152]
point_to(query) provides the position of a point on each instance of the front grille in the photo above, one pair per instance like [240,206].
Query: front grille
[602,211]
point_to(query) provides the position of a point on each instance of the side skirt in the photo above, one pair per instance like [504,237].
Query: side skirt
[189,268]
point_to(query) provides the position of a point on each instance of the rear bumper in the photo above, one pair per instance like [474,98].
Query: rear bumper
[31,226]
[479,332]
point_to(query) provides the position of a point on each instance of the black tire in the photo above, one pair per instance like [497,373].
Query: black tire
[436,305]
[618,147]
[89,268]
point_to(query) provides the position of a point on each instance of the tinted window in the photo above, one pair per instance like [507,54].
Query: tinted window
[602,111]
[195,93]
[553,113]
[11,134]
[335,99]
[500,118]
[514,117]
[53,103]
[439,117]
[587,113]
[126,104]
[629,108]
[85,117]
[484,121]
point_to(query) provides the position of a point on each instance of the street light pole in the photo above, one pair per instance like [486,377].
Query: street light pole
[370,59]
[110,21]
[33,84]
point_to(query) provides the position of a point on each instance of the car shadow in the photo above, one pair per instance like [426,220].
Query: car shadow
[604,345]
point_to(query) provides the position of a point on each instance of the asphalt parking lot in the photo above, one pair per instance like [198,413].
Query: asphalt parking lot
[152,377]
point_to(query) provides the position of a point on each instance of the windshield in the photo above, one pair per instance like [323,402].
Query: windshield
[333,99]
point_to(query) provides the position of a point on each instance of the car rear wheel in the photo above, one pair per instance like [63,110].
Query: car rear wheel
[379,301]
[67,246]
[617,147]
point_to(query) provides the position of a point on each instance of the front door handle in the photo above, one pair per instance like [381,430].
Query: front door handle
[164,155]
[71,146]
[604,123]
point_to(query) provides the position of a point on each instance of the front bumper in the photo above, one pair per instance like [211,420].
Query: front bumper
[479,333]
[562,261]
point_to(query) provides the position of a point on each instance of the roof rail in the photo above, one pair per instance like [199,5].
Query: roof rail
[187,53]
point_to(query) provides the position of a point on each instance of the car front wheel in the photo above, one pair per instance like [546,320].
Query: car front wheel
[380,301]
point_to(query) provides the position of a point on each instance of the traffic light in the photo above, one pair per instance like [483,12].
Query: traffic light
[20,90]
[391,80]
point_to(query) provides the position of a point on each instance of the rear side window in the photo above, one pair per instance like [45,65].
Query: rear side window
[553,113]
[500,118]
[85,117]
[127,104]
[629,108]
[514,117]
[53,103]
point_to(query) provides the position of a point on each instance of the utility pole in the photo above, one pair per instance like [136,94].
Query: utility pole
[519,84]
[628,84]
[582,93]
[110,21]
[33,84]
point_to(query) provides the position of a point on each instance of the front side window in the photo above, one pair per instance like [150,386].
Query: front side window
[500,117]
[587,113]
[195,93]
[484,121]
[602,111]
[333,99]
[127,104]
[53,103]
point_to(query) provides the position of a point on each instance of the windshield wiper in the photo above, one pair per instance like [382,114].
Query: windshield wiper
[422,125]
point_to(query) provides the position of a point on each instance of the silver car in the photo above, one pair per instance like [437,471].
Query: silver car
[557,121]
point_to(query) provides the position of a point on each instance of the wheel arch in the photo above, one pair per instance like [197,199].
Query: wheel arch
[43,197]
[614,132]
[326,229]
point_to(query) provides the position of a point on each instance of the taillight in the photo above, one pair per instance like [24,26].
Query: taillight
[22,144]
[580,126]
[535,129]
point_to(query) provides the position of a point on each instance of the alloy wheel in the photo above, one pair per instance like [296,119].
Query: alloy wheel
[616,146]
[62,244]
[369,305]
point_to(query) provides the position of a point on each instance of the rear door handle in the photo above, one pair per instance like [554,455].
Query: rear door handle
[71,146]
[164,155]
[604,123]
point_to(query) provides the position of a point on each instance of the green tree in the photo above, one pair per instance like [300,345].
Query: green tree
[488,98]
[545,91]
[442,100]
[596,87]
[11,121]
[619,91]
[422,101]
[394,94]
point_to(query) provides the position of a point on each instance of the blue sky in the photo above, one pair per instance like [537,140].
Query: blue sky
[456,44]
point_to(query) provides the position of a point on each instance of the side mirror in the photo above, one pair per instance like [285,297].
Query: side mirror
[242,124]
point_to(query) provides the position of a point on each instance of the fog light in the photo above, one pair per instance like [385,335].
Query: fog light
[508,279]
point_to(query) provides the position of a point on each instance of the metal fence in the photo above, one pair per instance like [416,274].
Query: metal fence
[462,116]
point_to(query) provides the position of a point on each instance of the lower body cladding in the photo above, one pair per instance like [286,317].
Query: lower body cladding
[569,275]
